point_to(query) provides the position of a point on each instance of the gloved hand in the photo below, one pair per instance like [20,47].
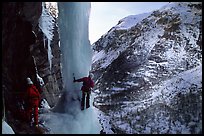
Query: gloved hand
[74,80]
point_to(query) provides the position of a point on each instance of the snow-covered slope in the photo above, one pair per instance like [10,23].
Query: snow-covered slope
[124,24]
[147,66]
[173,106]
[129,21]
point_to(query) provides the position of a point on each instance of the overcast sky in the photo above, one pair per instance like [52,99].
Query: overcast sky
[105,15]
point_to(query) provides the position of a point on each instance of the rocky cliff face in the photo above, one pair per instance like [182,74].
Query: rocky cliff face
[129,63]
[24,48]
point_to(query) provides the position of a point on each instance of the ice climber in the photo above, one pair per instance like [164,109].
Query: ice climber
[88,84]
[32,99]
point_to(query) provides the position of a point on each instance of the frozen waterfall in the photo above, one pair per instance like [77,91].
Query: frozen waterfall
[74,42]
[76,50]
[67,117]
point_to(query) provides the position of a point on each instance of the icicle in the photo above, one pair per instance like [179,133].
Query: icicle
[49,54]
[59,43]
[36,71]
[39,79]
[46,24]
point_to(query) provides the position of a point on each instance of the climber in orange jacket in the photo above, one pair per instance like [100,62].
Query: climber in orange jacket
[88,84]
[32,98]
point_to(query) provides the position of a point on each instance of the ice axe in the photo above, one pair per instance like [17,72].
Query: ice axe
[73,76]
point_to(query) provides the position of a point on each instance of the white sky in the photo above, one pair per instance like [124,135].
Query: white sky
[105,15]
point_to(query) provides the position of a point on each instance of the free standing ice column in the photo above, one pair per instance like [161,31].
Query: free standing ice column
[75,45]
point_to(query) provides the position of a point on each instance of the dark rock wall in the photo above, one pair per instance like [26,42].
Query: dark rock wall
[19,46]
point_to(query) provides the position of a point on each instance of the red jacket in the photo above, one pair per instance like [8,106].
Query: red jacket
[32,95]
[87,83]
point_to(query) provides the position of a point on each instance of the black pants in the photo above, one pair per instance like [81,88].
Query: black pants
[87,95]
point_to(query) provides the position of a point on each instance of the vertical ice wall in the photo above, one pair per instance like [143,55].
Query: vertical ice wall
[74,43]
[76,51]
[67,117]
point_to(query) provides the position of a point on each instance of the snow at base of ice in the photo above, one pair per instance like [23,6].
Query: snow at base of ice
[80,122]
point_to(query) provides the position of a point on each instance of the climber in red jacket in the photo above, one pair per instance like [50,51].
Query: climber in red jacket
[32,98]
[88,84]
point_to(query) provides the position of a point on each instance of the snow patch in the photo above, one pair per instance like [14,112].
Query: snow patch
[6,129]
[130,21]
